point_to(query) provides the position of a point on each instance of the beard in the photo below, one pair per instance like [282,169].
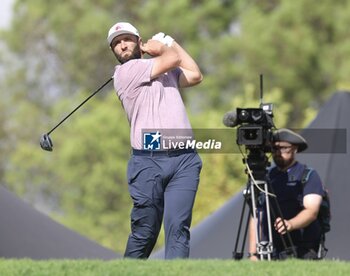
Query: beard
[283,163]
[135,54]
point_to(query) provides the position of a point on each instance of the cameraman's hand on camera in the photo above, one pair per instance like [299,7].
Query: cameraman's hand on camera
[283,228]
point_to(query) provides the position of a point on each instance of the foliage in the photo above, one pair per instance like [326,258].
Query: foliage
[55,53]
[296,49]
[83,179]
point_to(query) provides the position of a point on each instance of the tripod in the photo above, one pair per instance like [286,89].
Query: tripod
[255,195]
[257,198]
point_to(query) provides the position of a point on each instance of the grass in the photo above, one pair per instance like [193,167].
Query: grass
[19,267]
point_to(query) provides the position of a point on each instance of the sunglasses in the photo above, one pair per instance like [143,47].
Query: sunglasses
[285,149]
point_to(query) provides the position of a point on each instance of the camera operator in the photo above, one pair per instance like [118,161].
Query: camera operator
[299,202]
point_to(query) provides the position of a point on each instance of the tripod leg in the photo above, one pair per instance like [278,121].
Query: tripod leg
[245,232]
[269,247]
[247,201]
[264,243]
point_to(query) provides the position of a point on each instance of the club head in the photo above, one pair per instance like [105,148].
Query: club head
[46,143]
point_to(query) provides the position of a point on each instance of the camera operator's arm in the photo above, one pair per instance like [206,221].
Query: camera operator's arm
[252,240]
[311,204]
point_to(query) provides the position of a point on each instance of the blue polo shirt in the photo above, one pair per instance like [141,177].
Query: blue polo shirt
[289,190]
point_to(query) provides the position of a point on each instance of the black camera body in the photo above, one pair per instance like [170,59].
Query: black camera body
[256,126]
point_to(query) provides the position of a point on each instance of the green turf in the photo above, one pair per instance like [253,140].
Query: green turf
[211,267]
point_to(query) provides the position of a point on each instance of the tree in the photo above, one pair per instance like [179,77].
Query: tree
[295,45]
[69,187]
[83,181]
[56,53]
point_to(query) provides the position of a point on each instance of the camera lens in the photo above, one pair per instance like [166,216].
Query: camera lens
[257,115]
[243,115]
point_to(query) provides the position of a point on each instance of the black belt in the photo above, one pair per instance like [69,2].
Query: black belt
[170,153]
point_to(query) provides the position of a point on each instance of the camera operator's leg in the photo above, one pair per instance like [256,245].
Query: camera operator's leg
[283,244]
[308,251]
[252,238]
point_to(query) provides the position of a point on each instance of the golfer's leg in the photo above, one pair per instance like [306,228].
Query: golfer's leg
[177,222]
[145,188]
[178,204]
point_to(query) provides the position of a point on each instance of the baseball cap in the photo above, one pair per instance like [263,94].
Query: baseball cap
[287,135]
[121,28]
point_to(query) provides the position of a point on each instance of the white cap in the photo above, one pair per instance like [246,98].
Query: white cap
[121,28]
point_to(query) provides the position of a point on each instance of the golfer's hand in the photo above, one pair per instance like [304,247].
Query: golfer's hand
[165,39]
[281,227]
[153,47]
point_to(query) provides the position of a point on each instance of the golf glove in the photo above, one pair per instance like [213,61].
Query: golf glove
[165,39]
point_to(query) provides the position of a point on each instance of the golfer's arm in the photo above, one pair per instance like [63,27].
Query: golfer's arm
[191,74]
[167,59]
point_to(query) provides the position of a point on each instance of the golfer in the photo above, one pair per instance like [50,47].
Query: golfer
[162,183]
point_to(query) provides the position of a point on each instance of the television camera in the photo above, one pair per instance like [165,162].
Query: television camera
[256,126]
[255,132]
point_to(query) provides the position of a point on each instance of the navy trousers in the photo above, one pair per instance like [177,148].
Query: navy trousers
[162,186]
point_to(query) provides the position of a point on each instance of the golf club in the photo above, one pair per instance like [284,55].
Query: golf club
[45,140]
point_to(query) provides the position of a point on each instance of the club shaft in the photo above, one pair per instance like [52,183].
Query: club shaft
[75,109]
